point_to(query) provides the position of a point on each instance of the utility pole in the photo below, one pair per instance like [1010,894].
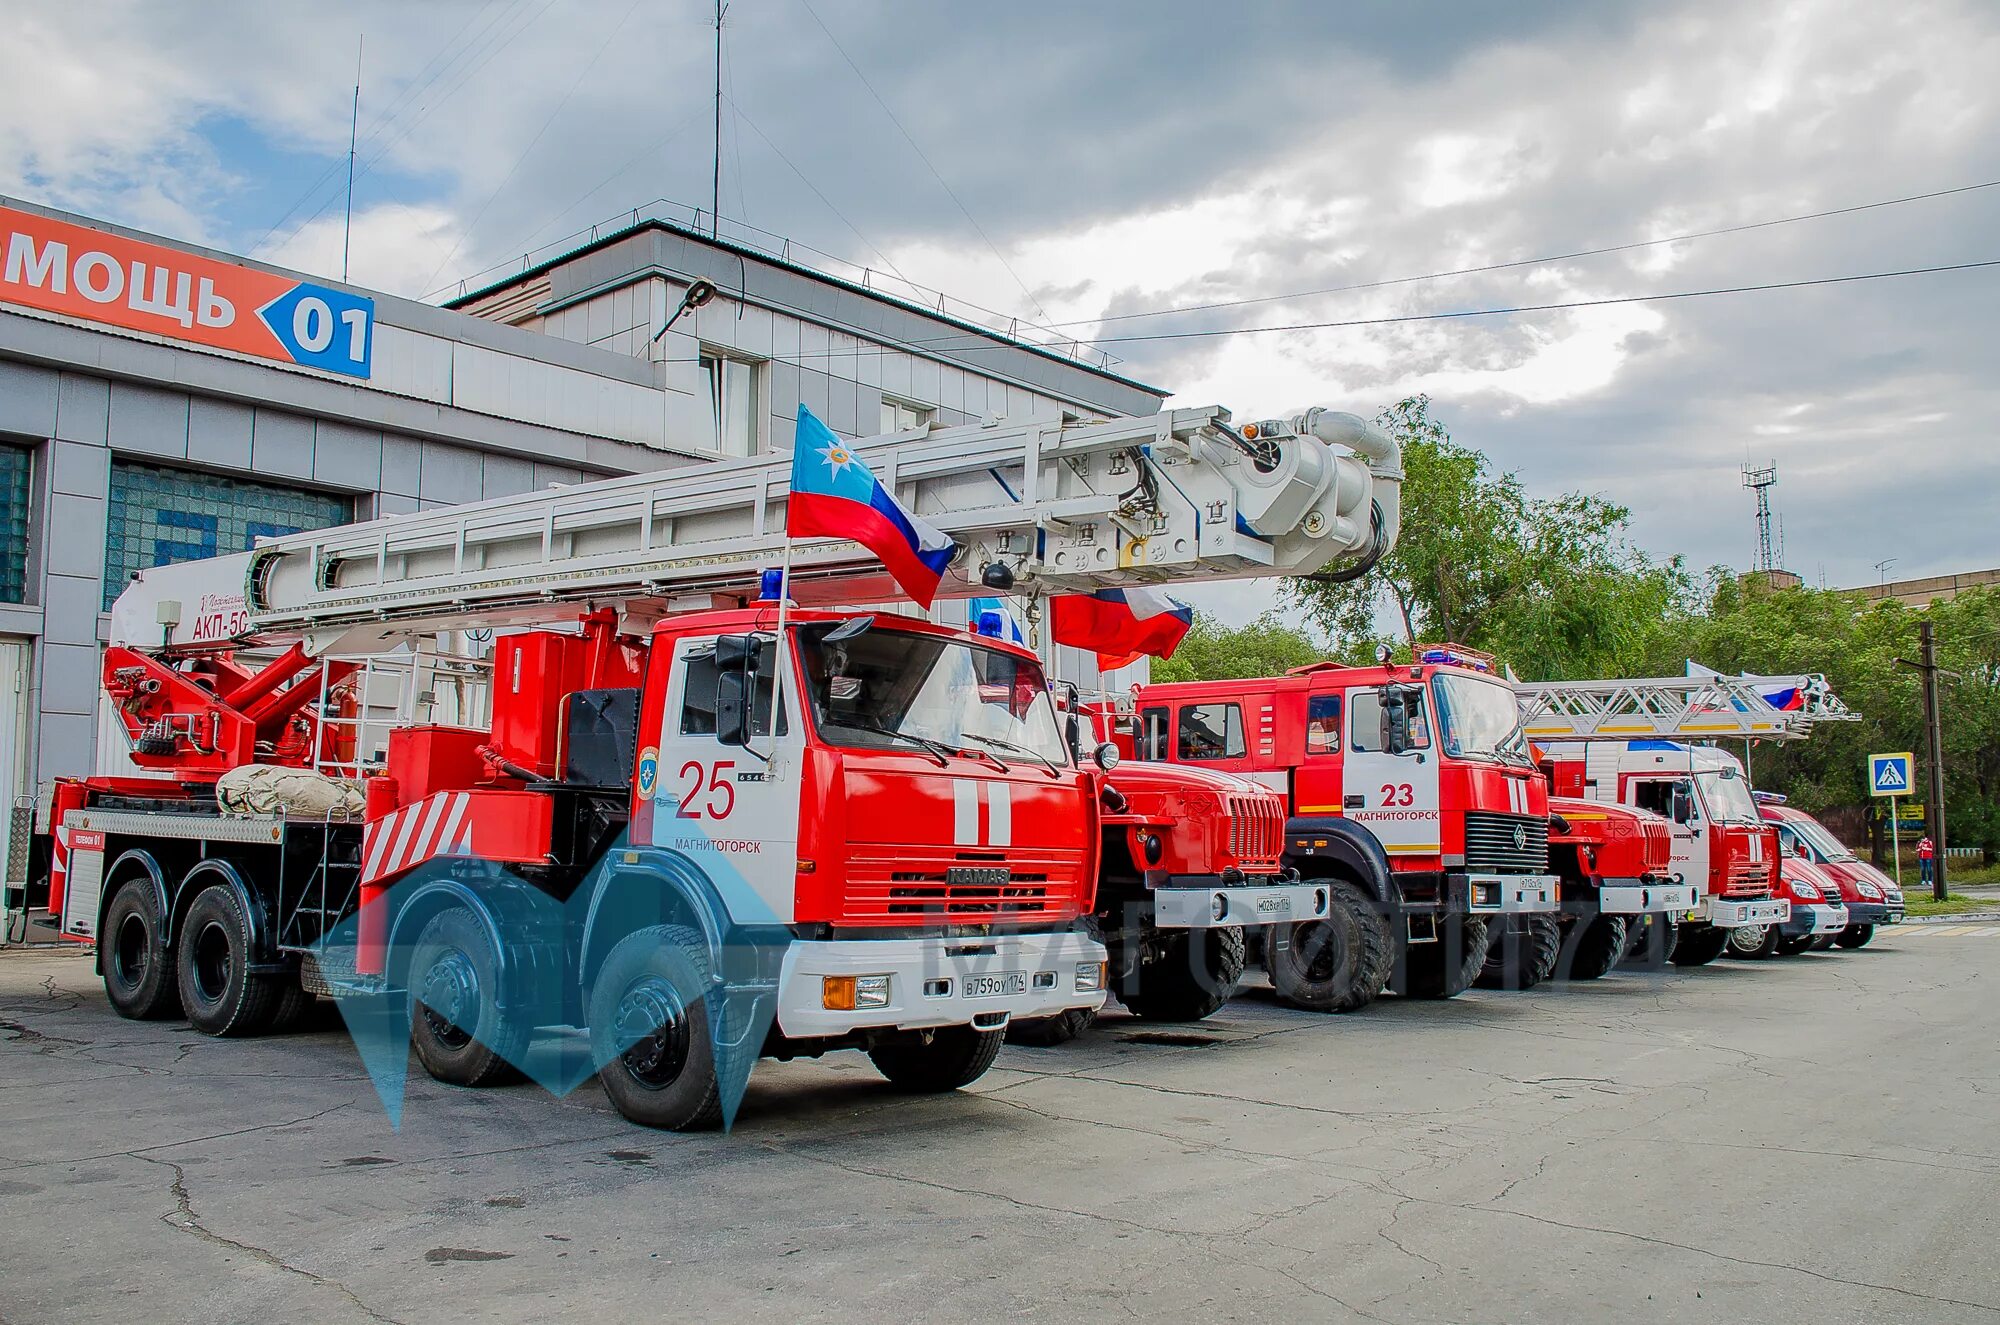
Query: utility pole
[715,187]
[1934,732]
[353,129]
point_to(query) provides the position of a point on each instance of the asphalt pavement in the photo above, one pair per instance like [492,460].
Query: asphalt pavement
[1805,1139]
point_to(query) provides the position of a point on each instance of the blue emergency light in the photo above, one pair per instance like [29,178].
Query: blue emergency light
[771,585]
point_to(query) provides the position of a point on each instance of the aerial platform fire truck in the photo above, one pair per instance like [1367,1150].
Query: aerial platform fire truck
[1412,801]
[1633,742]
[889,806]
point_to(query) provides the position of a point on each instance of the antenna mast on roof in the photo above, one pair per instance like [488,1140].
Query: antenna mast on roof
[353,129]
[1761,481]
[715,188]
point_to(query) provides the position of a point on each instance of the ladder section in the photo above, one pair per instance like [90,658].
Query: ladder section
[1703,705]
[1054,505]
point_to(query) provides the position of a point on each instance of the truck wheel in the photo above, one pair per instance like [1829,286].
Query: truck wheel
[1195,974]
[294,1005]
[1048,1032]
[649,1029]
[1592,947]
[1650,944]
[218,991]
[1699,943]
[1447,967]
[138,968]
[1793,947]
[1855,936]
[1752,942]
[1332,965]
[1522,952]
[954,1056]
[461,1035]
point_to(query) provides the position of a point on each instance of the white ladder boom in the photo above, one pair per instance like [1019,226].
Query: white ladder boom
[1060,506]
[1703,705]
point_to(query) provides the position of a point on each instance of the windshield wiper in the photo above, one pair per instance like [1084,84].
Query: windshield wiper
[936,749]
[1043,759]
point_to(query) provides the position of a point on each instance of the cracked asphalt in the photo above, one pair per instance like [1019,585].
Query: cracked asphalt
[1808,1139]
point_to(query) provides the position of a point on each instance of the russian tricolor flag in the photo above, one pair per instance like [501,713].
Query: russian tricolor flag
[1789,700]
[834,495]
[1120,625]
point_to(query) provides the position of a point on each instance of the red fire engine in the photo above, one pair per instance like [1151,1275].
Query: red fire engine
[892,803]
[1412,801]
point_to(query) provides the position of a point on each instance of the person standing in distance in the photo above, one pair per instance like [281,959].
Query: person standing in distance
[1924,853]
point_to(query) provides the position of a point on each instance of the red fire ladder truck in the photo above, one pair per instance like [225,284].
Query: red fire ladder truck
[673,758]
[1642,743]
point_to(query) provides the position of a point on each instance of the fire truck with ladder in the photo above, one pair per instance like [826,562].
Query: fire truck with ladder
[675,759]
[1640,742]
[1412,800]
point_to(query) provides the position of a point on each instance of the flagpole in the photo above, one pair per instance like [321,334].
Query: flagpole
[783,660]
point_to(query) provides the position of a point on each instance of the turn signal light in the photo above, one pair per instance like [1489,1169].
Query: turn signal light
[836,993]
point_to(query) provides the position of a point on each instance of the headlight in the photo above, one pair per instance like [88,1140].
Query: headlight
[1870,890]
[1805,892]
[1089,977]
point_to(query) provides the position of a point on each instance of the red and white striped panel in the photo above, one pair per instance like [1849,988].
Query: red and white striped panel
[435,826]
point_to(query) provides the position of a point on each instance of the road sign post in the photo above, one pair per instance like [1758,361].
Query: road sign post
[1889,775]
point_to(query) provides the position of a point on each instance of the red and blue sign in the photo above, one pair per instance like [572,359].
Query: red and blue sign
[93,275]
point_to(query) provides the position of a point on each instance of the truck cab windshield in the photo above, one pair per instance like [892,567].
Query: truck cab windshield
[1819,839]
[889,689]
[1479,718]
[1728,798]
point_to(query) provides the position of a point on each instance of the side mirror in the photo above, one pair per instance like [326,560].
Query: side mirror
[1395,722]
[1073,723]
[736,669]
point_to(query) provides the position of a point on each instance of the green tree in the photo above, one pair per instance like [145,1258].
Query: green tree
[1480,562]
[1212,651]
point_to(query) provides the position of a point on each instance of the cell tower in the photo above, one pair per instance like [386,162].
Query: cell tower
[1761,481]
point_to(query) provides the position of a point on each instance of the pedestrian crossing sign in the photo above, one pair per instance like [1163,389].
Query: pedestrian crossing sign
[1889,775]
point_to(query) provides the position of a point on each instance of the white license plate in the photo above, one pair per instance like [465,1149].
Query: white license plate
[996,986]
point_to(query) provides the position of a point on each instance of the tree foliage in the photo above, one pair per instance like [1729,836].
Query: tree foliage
[1481,562]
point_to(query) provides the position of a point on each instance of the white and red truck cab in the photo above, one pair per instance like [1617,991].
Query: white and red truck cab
[1871,897]
[1720,844]
[1411,799]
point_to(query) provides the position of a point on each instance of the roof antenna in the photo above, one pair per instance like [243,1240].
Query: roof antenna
[715,187]
[353,129]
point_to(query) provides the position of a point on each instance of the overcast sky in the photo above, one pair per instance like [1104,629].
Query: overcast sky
[1118,158]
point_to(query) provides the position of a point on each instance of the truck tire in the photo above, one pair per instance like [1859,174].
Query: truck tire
[1048,1032]
[954,1056]
[1447,967]
[1194,975]
[1699,943]
[1334,965]
[1752,943]
[1650,944]
[1793,947]
[460,1033]
[294,1005]
[218,992]
[1592,947]
[1855,936]
[1522,952]
[139,976]
[649,1030]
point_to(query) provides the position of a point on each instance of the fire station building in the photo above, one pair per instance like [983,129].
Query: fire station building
[162,402]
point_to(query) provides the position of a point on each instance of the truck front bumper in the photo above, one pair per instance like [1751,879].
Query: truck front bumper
[1224,907]
[1627,898]
[1507,894]
[1724,913]
[1872,913]
[932,982]
[1809,921]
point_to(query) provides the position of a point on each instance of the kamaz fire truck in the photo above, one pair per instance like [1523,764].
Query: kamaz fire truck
[1412,801]
[871,823]
[1631,742]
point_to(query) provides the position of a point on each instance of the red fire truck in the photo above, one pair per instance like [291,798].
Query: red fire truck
[1630,742]
[870,823]
[1412,801]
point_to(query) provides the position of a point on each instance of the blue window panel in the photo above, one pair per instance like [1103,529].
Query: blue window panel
[14,465]
[160,515]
